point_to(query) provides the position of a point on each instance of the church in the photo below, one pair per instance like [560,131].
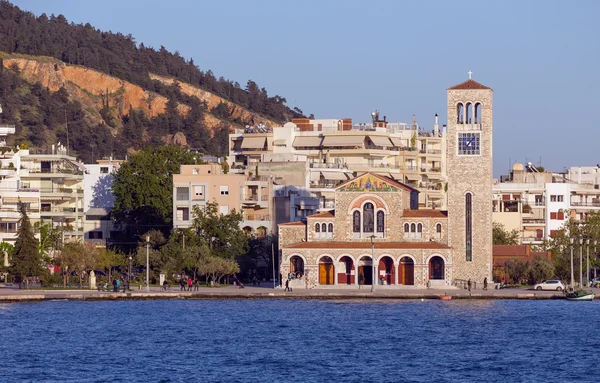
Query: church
[377,235]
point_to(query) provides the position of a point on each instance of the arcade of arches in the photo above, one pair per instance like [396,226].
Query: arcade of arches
[348,270]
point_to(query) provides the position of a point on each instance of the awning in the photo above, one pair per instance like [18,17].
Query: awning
[343,141]
[22,199]
[315,176]
[412,177]
[380,141]
[396,141]
[253,142]
[307,142]
[278,142]
[334,176]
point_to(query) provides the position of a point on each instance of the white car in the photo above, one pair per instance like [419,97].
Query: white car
[552,284]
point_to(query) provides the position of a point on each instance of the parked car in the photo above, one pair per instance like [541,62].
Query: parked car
[596,282]
[552,284]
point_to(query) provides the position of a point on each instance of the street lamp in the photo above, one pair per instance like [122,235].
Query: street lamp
[147,263]
[572,277]
[595,257]
[373,260]
[587,269]
[129,279]
[580,263]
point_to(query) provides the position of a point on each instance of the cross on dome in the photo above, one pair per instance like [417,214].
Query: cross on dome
[470,73]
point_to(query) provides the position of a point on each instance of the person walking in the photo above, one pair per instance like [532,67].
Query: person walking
[254,279]
[118,285]
[287,285]
[485,283]
[469,284]
[196,285]
[181,284]
[189,283]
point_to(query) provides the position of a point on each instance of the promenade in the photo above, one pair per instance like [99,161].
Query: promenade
[10,294]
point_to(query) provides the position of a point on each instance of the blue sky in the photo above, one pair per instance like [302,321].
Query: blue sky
[339,59]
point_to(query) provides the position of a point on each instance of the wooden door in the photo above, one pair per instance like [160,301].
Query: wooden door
[325,274]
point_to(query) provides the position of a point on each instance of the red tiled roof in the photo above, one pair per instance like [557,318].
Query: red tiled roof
[366,245]
[469,84]
[389,180]
[510,250]
[323,214]
[425,213]
[293,224]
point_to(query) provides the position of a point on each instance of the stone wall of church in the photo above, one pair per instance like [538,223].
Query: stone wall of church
[290,234]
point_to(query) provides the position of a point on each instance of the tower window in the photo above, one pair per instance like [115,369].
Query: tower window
[380,221]
[317,228]
[323,228]
[356,222]
[368,218]
[468,227]
[406,228]
[438,228]
[330,227]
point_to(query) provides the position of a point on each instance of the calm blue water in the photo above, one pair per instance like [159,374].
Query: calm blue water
[300,341]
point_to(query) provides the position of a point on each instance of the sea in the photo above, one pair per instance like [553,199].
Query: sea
[286,340]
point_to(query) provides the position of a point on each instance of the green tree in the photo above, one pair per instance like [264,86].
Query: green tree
[217,268]
[50,238]
[109,259]
[500,236]
[26,260]
[539,269]
[78,257]
[220,232]
[516,270]
[143,187]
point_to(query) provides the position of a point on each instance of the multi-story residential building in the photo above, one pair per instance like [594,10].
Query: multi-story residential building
[337,150]
[539,204]
[196,185]
[98,201]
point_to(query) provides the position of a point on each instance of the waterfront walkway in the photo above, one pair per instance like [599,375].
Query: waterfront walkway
[10,294]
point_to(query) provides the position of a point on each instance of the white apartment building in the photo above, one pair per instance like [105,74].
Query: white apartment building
[98,201]
[539,204]
[336,150]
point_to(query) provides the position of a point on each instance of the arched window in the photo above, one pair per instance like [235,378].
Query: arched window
[413,228]
[469,110]
[323,228]
[406,227]
[330,227]
[356,222]
[317,228]
[478,113]
[438,228]
[380,221]
[459,113]
[468,227]
[368,218]
[420,228]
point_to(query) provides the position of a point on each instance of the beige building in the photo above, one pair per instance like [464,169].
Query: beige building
[336,150]
[377,233]
[198,184]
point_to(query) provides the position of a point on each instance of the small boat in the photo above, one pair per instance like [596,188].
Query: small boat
[580,295]
[445,297]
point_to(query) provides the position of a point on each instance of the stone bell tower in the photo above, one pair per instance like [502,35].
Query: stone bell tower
[469,170]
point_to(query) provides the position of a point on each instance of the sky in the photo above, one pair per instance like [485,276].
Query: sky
[345,59]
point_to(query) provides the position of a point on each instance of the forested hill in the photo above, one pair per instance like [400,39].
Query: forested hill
[24,35]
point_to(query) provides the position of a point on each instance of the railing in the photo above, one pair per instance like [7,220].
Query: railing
[326,166]
[252,197]
[54,171]
[588,204]
[324,185]
[534,220]
[7,210]
[410,167]
[60,210]
[24,190]
[327,204]
[96,241]
[257,217]
[540,202]
[434,151]
[435,170]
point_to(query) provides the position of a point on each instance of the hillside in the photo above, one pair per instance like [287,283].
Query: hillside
[115,94]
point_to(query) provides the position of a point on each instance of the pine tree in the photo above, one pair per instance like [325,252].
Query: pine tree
[26,258]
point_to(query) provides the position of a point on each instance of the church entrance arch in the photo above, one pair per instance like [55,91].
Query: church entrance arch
[386,270]
[406,271]
[346,275]
[436,268]
[326,271]
[365,270]
[296,267]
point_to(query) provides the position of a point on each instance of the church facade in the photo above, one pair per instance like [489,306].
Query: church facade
[378,235]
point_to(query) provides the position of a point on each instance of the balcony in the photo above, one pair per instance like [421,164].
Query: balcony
[434,151]
[530,240]
[257,217]
[585,203]
[327,204]
[534,221]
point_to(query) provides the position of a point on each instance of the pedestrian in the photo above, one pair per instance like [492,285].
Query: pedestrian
[485,283]
[118,285]
[287,285]
[189,283]
[124,285]
[181,284]
[469,284]
[114,283]
[254,280]
[196,287]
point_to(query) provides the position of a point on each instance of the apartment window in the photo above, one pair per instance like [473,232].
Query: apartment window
[224,190]
[560,198]
[224,209]
[183,194]
[198,191]
[183,214]
[553,198]
[104,169]
[95,235]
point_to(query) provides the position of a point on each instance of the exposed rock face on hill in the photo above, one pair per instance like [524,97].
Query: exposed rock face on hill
[237,112]
[90,87]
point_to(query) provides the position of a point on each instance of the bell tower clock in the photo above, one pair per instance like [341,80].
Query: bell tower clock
[469,168]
